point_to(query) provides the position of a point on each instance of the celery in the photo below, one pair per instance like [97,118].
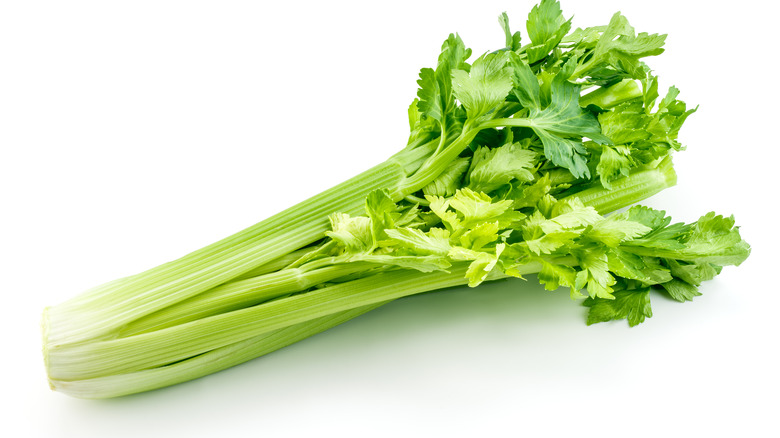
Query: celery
[511,162]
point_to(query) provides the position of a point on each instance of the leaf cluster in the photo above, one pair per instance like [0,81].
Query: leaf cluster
[582,100]
[614,260]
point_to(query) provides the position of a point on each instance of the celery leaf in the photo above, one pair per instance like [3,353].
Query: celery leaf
[633,305]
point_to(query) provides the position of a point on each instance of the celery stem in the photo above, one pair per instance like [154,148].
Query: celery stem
[186,340]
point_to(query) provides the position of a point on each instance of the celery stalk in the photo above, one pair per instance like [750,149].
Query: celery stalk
[102,310]
[173,344]
[207,363]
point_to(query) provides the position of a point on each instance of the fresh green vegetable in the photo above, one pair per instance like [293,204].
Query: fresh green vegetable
[511,163]
[618,260]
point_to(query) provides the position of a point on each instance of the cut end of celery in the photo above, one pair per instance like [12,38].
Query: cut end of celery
[45,336]
[45,343]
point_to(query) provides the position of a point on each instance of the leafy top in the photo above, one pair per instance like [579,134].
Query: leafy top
[616,260]
[582,100]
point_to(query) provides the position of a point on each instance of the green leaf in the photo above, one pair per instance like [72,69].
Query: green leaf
[529,196]
[646,270]
[440,207]
[633,305]
[664,236]
[512,40]
[482,262]
[625,124]
[619,50]
[454,53]
[649,217]
[432,98]
[493,168]
[614,162]
[565,152]
[562,124]
[480,268]
[480,235]
[595,274]
[460,254]
[715,239]
[485,87]
[564,115]
[546,205]
[549,243]
[640,134]
[410,216]
[681,291]
[382,212]
[435,93]
[553,276]
[476,207]
[649,92]
[664,126]
[568,214]
[449,181]
[693,273]
[712,239]
[526,85]
[414,115]
[613,231]
[435,241]
[546,27]
[353,233]
[568,219]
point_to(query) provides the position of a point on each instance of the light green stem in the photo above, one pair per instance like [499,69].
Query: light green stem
[237,295]
[207,363]
[639,185]
[610,97]
[518,122]
[434,165]
[98,313]
[173,344]
[275,265]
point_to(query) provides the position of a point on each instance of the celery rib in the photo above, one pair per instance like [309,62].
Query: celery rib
[113,305]
[207,363]
[625,191]
[240,294]
[180,342]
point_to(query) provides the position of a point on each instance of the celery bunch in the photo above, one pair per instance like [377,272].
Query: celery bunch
[512,161]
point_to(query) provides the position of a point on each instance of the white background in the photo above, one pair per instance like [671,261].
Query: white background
[134,132]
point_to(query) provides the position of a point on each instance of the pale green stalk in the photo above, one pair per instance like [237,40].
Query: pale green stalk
[207,363]
[276,264]
[610,97]
[173,344]
[236,295]
[99,312]
[641,184]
